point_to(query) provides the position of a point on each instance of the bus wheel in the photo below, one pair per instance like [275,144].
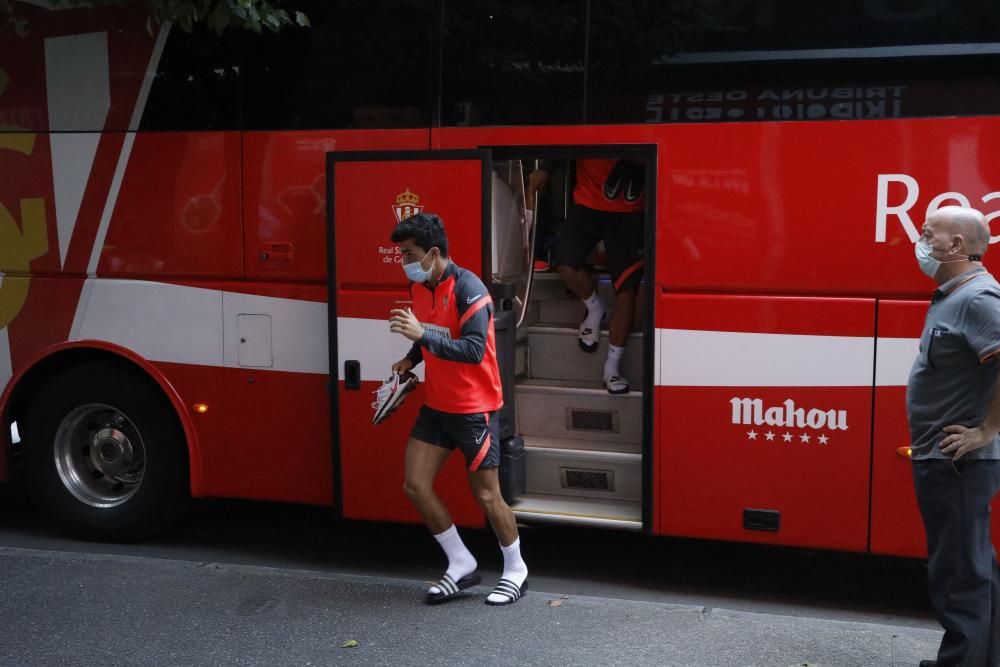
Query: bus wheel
[105,456]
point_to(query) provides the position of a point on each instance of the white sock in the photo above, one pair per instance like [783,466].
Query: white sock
[460,560]
[595,311]
[611,363]
[514,568]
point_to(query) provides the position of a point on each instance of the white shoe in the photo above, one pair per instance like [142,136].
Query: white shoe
[616,384]
[391,394]
[589,338]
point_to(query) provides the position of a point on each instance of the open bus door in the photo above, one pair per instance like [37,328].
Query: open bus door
[367,194]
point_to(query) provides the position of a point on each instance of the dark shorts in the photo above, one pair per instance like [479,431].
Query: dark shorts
[477,435]
[622,233]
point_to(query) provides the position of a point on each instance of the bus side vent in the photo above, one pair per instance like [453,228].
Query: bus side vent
[768,520]
[589,480]
[602,421]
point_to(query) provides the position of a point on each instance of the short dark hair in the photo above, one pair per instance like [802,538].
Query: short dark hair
[426,230]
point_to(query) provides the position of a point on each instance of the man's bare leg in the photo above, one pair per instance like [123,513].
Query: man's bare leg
[423,463]
[621,320]
[618,331]
[486,489]
[579,281]
[485,485]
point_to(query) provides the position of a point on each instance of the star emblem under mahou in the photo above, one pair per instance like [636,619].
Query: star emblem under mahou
[752,435]
[769,435]
[787,437]
[823,439]
[804,437]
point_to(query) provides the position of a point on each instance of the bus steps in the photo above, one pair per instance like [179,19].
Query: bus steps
[557,306]
[555,354]
[582,446]
[583,473]
[587,416]
[606,513]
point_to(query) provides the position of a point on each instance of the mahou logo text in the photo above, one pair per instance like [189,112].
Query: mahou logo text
[752,411]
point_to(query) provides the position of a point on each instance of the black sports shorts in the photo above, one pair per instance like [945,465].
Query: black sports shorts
[622,234]
[477,435]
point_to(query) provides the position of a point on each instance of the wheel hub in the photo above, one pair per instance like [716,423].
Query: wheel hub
[99,455]
[111,453]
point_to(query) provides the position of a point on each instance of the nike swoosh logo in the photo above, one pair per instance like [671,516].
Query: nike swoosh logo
[473,299]
[479,440]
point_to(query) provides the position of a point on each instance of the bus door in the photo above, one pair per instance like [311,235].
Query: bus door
[368,193]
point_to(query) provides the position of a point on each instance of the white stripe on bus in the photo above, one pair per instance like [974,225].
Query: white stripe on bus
[129,140]
[690,358]
[190,325]
[78,97]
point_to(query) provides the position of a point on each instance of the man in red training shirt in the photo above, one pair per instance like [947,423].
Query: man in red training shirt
[451,326]
[607,206]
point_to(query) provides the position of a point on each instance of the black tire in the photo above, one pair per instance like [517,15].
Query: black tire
[104,454]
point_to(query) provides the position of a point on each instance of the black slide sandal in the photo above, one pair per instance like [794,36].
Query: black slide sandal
[449,588]
[509,590]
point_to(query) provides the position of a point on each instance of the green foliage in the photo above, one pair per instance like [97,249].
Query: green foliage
[253,15]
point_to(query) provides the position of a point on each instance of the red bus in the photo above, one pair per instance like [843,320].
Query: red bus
[196,270]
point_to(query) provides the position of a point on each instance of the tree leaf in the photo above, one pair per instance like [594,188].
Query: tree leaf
[350,643]
[252,15]
[555,603]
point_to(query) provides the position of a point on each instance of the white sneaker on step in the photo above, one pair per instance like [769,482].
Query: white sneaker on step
[616,384]
[589,337]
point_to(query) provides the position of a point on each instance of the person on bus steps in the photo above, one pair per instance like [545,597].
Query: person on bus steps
[451,326]
[607,206]
[953,408]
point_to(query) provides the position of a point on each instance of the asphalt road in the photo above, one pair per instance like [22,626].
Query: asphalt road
[574,562]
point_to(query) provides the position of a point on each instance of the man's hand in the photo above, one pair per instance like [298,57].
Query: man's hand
[964,440]
[404,365]
[403,322]
[538,180]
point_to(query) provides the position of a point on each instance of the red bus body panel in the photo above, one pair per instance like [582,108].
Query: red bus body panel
[787,299]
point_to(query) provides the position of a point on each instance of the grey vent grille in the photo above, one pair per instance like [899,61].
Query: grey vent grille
[600,421]
[590,480]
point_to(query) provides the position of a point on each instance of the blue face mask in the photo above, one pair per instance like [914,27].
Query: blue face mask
[416,272]
[928,264]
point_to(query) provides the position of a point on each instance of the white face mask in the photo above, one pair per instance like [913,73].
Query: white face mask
[416,272]
[929,265]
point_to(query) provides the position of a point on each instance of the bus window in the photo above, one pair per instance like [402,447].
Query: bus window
[197,83]
[513,63]
[360,65]
[766,61]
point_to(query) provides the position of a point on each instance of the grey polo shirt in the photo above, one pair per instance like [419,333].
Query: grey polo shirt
[955,374]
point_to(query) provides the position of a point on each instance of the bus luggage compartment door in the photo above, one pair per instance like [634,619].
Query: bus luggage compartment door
[367,195]
[765,418]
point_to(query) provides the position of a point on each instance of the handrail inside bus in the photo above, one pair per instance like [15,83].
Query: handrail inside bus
[531,260]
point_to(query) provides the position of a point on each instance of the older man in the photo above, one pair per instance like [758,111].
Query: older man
[953,405]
